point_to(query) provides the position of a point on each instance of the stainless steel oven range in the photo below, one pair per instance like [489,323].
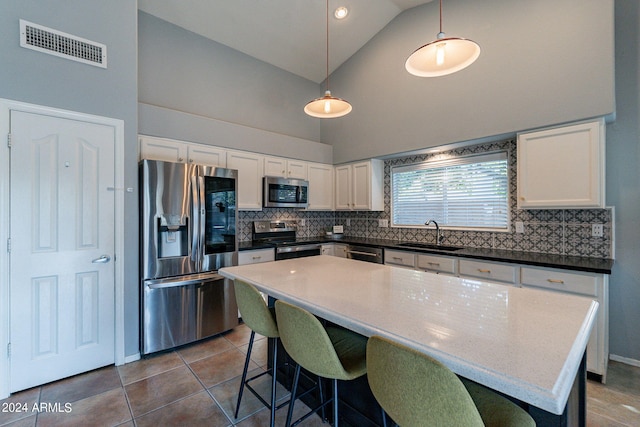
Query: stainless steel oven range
[282,235]
[188,232]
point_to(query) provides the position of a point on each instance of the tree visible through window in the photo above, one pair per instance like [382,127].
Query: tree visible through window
[467,192]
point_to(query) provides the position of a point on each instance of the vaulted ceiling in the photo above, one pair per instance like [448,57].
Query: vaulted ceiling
[289,34]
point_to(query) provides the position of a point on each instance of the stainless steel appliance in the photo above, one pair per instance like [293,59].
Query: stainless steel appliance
[284,192]
[365,253]
[188,231]
[282,235]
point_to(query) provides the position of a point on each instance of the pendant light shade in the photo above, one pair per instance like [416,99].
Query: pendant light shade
[327,107]
[443,56]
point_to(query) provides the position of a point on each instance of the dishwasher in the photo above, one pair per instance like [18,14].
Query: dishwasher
[365,253]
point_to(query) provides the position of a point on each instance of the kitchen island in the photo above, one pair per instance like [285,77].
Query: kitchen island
[525,343]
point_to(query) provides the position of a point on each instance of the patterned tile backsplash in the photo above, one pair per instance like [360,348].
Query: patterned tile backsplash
[558,231]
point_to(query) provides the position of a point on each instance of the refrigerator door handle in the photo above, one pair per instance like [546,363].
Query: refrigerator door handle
[202,220]
[195,233]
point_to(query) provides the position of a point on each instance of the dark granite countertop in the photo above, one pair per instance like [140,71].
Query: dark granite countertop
[577,263]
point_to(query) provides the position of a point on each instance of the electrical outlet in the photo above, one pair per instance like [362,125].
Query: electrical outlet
[383,223]
[302,222]
[519,227]
[348,222]
[597,230]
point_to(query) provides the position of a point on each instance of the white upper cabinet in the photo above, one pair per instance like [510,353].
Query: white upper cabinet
[207,155]
[359,186]
[562,167]
[181,152]
[286,168]
[166,150]
[250,171]
[320,178]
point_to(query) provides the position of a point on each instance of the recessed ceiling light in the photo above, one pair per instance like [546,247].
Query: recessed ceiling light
[341,12]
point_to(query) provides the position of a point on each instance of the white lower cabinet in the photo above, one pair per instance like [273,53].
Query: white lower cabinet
[591,285]
[400,258]
[255,256]
[491,271]
[437,264]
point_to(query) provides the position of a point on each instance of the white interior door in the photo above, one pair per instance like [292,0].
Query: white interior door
[62,222]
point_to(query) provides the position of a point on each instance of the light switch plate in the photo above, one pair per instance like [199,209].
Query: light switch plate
[383,223]
[519,227]
[338,229]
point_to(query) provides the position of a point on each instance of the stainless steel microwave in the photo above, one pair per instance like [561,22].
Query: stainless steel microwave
[284,192]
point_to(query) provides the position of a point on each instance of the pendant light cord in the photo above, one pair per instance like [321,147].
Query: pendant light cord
[440,15]
[327,81]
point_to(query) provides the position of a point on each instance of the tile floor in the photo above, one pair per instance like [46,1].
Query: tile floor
[198,384]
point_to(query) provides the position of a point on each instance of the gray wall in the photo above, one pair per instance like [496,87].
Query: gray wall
[542,62]
[194,89]
[33,77]
[623,184]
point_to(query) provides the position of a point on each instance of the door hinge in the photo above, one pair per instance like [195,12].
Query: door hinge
[9,245]
[9,350]
[9,140]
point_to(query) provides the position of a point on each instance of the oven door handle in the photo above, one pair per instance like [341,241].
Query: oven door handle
[298,248]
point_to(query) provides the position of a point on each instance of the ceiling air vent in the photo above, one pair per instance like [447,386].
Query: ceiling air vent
[43,39]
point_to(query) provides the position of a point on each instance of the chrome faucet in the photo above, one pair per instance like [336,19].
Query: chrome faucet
[439,237]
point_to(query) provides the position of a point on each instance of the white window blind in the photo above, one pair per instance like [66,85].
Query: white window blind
[467,192]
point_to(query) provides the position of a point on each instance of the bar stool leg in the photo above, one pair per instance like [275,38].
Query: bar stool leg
[294,391]
[273,383]
[244,373]
[335,403]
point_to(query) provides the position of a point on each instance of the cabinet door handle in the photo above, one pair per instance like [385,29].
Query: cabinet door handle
[561,282]
[437,264]
[397,258]
[484,270]
[256,257]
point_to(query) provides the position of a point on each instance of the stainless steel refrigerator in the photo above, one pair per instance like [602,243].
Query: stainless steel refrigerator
[188,232]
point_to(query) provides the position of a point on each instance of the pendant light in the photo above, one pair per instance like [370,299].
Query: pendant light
[443,56]
[327,107]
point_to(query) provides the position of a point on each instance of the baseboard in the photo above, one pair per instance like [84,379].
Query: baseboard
[625,360]
[131,358]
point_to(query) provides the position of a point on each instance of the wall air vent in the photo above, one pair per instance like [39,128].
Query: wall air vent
[43,39]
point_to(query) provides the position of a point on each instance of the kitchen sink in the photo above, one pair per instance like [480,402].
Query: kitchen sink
[429,246]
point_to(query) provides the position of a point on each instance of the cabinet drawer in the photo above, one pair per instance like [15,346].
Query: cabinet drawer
[563,281]
[401,258]
[437,264]
[256,256]
[488,270]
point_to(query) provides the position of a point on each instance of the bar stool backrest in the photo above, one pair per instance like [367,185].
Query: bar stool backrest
[254,311]
[415,389]
[307,342]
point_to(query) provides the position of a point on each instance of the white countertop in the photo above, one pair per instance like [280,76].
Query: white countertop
[526,343]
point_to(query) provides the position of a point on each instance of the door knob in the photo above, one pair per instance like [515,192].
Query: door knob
[102,260]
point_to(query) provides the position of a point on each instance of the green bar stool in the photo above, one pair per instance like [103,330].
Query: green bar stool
[261,319]
[332,353]
[417,390]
